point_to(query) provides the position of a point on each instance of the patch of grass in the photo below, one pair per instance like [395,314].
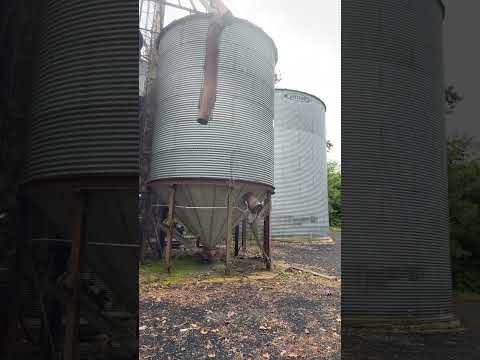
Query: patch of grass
[335,228]
[183,268]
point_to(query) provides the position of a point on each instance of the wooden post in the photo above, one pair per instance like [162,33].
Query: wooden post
[72,351]
[228,239]
[244,236]
[237,236]
[267,238]
[19,231]
[170,229]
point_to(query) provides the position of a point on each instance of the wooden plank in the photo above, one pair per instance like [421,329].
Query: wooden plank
[325,276]
[71,350]
[170,230]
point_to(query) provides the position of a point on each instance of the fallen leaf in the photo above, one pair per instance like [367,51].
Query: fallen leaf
[183,330]
[204,331]
[266,356]
[211,355]
[141,328]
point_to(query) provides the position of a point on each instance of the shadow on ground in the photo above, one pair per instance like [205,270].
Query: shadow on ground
[458,345]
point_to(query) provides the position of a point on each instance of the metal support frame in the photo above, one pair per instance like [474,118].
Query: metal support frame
[191,10]
[267,236]
[228,238]
[244,236]
[237,244]
[170,229]
[71,351]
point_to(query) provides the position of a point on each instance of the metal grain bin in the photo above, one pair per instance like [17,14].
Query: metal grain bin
[235,148]
[395,248]
[300,204]
[83,118]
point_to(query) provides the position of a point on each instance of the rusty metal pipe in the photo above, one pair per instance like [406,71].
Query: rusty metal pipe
[209,90]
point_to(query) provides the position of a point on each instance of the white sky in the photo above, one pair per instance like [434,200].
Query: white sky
[462,60]
[307,34]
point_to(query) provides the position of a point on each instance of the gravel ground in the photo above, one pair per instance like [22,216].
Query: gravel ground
[292,315]
[324,258]
[462,345]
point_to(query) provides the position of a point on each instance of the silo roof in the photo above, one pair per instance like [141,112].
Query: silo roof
[305,93]
[189,17]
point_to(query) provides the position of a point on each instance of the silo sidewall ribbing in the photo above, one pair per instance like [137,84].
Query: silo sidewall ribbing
[300,203]
[85,100]
[237,143]
[395,253]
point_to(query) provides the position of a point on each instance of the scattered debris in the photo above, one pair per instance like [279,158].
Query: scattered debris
[276,316]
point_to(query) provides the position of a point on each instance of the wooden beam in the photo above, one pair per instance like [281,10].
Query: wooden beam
[20,229]
[170,229]
[228,238]
[267,238]
[71,351]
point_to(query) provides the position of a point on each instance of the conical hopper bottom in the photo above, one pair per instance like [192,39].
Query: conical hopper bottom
[202,207]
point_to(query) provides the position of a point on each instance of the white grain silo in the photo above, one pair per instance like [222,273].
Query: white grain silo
[300,204]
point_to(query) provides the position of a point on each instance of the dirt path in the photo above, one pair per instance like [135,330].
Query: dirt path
[290,316]
[324,258]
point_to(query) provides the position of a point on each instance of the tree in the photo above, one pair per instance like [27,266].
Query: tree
[464,206]
[334,193]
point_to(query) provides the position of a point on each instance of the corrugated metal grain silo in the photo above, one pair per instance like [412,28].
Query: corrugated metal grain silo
[235,149]
[300,204]
[83,118]
[395,253]
[82,158]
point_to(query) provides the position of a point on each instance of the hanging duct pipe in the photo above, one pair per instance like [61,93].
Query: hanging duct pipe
[221,18]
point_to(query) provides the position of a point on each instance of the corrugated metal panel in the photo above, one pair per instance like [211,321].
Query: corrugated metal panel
[238,142]
[85,102]
[395,250]
[300,203]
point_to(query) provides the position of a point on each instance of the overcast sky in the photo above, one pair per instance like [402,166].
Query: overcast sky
[462,63]
[307,34]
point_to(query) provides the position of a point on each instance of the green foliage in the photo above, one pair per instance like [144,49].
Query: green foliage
[334,193]
[464,207]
